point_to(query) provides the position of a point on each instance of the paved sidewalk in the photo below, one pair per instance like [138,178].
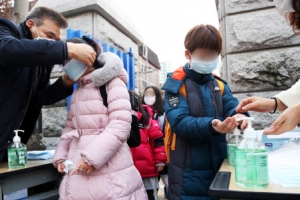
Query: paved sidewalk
[161,193]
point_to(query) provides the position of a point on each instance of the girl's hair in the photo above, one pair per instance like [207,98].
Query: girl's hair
[146,115]
[159,104]
[294,17]
[93,44]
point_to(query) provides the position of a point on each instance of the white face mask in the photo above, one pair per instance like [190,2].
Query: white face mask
[150,100]
[39,37]
[203,67]
[285,6]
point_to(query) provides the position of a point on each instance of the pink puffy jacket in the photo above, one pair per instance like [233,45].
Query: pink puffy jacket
[99,136]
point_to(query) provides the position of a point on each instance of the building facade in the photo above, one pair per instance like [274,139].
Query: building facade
[165,68]
[147,69]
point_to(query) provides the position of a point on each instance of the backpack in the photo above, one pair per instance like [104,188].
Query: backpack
[134,139]
[170,137]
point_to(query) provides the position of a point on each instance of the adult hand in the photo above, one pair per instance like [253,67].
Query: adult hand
[228,125]
[287,121]
[159,168]
[242,123]
[81,52]
[82,167]
[61,167]
[67,81]
[256,104]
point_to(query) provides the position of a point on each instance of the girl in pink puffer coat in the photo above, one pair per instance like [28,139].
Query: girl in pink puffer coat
[95,139]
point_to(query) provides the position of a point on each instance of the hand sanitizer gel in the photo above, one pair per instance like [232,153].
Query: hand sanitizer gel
[251,161]
[232,144]
[17,153]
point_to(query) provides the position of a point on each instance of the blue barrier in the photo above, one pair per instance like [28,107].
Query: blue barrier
[128,59]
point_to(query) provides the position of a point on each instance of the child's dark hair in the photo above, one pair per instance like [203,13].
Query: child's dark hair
[159,104]
[203,36]
[93,44]
[146,115]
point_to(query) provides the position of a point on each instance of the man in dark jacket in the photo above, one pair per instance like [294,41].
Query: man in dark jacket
[28,52]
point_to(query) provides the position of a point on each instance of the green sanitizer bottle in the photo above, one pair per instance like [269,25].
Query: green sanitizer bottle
[232,143]
[251,161]
[17,153]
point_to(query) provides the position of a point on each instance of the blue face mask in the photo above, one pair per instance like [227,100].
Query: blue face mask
[203,67]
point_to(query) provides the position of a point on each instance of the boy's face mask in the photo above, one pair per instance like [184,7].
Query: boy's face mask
[203,67]
[285,6]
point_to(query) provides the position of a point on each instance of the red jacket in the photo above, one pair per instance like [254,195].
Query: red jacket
[151,150]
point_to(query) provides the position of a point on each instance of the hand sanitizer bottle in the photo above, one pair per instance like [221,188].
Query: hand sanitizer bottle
[17,153]
[251,161]
[232,143]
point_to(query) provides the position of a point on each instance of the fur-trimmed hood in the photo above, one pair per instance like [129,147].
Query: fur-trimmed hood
[112,67]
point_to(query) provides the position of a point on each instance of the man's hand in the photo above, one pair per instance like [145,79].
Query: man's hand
[287,121]
[243,123]
[81,52]
[256,104]
[82,167]
[61,167]
[226,126]
[67,81]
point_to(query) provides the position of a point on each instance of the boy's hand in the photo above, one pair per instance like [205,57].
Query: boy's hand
[243,123]
[228,125]
[82,167]
[61,167]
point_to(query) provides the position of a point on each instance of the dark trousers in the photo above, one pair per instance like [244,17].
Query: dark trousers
[150,194]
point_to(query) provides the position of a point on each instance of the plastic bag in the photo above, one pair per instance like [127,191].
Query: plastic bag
[284,165]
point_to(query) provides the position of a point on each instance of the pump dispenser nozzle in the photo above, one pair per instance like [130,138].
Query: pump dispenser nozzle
[236,132]
[17,137]
[249,131]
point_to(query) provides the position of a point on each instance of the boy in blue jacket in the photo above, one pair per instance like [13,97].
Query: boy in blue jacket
[201,110]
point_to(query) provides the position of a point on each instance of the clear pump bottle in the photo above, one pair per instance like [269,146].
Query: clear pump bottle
[251,161]
[17,153]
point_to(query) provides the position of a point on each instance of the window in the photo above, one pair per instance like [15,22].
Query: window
[144,84]
[145,51]
[143,69]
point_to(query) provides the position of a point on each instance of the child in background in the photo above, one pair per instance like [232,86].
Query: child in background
[153,98]
[149,157]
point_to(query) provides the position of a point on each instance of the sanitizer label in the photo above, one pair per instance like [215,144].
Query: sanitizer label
[240,166]
[257,164]
[17,157]
[230,153]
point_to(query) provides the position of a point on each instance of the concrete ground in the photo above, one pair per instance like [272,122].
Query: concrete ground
[161,193]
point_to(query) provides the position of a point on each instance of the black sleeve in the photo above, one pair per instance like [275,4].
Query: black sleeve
[56,92]
[25,52]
